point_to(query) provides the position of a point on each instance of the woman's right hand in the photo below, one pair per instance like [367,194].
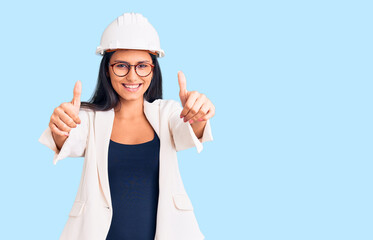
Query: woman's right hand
[65,117]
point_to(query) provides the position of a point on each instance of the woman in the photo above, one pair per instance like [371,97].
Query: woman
[131,187]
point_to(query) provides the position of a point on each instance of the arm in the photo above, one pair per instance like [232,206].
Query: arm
[198,128]
[75,144]
[183,134]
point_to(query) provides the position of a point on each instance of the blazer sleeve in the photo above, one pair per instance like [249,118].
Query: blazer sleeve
[75,144]
[182,132]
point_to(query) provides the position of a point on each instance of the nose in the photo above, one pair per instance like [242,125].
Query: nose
[132,75]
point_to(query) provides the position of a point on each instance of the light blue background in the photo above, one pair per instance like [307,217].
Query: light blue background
[291,82]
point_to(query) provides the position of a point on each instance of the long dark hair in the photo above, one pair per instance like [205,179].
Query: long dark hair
[105,97]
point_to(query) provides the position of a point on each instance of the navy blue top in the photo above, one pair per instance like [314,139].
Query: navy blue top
[133,177]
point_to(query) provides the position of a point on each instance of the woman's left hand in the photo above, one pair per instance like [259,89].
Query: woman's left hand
[196,106]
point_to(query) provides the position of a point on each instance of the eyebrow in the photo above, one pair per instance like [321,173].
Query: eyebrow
[120,61]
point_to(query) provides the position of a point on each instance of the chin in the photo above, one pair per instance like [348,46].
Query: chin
[132,98]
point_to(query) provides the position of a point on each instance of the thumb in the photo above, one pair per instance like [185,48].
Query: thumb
[77,94]
[183,91]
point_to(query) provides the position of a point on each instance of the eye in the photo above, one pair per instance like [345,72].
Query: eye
[142,66]
[121,66]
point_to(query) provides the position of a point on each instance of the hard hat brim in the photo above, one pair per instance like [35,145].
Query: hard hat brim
[100,51]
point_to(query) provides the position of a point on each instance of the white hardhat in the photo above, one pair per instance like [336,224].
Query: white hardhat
[130,31]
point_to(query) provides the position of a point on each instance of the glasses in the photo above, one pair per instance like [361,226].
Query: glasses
[121,69]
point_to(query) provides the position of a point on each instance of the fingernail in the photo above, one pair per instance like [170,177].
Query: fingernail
[191,121]
[200,119]
[66,134]
[184,120]
[181,116]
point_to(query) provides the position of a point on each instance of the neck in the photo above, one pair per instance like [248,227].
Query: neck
[129,110]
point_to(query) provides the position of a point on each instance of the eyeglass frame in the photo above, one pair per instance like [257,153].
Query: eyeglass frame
[130,65]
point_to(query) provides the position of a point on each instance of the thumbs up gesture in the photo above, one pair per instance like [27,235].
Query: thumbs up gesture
[196,106]
[66,116]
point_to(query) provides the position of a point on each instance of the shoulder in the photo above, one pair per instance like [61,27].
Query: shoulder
[86,111]
[85,114]
[167,105]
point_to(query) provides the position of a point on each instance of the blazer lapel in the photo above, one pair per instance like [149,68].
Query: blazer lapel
[103,127]
[151,111]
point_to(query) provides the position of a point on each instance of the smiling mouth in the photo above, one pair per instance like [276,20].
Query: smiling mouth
[132,87]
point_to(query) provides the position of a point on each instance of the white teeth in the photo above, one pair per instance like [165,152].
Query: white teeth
[131,86]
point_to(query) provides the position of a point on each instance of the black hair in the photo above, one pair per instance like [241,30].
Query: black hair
[105,97]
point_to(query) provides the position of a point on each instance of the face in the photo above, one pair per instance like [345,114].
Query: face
[122,84]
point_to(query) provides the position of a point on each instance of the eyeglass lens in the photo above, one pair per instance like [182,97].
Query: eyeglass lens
[122,69]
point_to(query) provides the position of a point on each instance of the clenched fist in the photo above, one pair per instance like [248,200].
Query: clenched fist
[196,106]
[65,117]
